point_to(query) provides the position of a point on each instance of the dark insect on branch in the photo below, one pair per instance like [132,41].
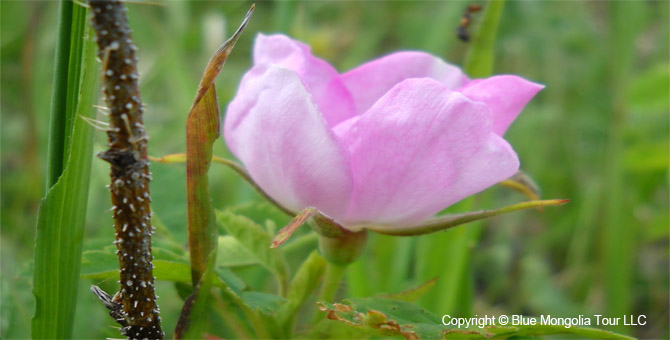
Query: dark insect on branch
[466,20]
[112,303]
[134,305]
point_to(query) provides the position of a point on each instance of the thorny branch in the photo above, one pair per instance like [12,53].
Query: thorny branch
[134,306]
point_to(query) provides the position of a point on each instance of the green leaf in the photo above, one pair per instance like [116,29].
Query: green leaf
[202,129]
[234,254]
[172,271]
[99,264]
[265,303]
[230,280]
[103,265]
[303,285]
[62,212]
[193,319]
[386,317]
[260,212]
[256,244]
[264,325]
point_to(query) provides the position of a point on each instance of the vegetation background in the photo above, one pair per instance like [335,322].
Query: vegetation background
[598,135]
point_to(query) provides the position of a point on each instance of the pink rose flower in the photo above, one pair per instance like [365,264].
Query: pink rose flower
[393,141]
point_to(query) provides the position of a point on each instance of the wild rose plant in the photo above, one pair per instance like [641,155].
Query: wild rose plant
[391,142]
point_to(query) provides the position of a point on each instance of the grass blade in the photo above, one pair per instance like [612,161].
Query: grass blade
[617,234]
[455,292]
[59,96]
[479,61]
[61,217]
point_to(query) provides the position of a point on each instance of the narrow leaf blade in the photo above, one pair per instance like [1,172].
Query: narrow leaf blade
[62,212]
[450,221]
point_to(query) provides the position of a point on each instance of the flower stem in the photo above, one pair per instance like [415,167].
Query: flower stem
[331,281]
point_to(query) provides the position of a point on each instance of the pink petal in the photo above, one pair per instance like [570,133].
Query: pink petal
[506,96]
[419,149]
[276,130]
[368,82]
[319,78]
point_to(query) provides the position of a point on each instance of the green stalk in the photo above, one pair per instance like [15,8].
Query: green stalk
[479,61]
[453,249]
[62,212]
[618,229]
[359,278]
[448,255]
[331,282]
[284,15]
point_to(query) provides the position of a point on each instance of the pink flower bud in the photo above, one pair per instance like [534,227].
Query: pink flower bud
[392,141]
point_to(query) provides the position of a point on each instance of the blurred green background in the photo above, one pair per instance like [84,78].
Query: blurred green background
[598,135]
